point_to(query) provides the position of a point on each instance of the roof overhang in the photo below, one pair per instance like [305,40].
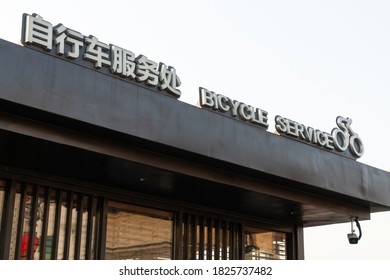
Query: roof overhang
[52,103]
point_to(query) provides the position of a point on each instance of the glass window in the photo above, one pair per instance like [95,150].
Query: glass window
[138,233]
[264,245]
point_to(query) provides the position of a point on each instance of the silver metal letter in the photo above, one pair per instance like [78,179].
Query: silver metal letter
[169,80]
[122,62]
[310,134]
[236,104]
[245,112]
[291,128]
[321,137]
[206,98]
[97,52]
[71,37]
[38,31]
[222,100]
[328,141]
[259,117]
[280,124]
[146,71]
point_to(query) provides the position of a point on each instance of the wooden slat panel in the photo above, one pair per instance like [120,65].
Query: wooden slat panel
[241,233]
[45,224]
[57,224]
[22,211]
[193,223]
[217,240]
[186,241]
[102,229]
[201,238]
[178,237]
[224,240]
[79,224]
[210,239]
[68,229]
[9,204]
[232,237]
[91,215]
[33,222]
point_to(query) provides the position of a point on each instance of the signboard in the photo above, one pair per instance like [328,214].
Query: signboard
[342,139]
[224,104]
[74,46]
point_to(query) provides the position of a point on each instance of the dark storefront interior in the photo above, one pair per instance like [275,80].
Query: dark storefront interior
[93,223]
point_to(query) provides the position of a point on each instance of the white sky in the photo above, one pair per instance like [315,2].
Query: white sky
[309,61]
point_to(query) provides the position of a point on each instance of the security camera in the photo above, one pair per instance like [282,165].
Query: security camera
[352,238]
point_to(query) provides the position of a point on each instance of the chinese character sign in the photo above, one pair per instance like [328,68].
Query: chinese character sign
[73,45]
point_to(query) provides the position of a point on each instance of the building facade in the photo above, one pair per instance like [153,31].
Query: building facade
[98,166]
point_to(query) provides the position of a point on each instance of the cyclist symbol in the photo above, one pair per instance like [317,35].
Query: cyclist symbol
[344,137]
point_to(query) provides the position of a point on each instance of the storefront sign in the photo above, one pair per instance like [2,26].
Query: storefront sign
[209,99]
[341,139]
[72,45]
[122,62]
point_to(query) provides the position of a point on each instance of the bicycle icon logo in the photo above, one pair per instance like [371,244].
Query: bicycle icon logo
[344,137]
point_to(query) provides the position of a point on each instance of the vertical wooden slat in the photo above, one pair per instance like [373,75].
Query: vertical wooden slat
[33,222]
[45,224]
[210,239]
[233,242]
[289,246]
[79,224]
[224,241]
[57,224]
[22,210]
[300,249]
[217,240]
[240,243]
[96,229]
[6,228]
[185,236]
[68,228]
[91,214]
[193,237]
[102,230]
[201,238]
[178,236]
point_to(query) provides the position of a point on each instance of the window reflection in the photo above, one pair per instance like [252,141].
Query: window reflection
[138,233]
[265,245]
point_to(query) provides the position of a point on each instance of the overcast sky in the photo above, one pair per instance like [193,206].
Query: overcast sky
[309,61]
